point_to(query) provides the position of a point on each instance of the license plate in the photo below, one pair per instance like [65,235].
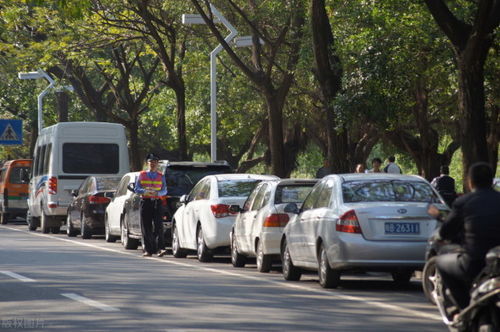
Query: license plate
[402,228]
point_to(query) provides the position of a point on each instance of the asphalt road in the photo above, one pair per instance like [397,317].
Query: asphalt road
[54,283]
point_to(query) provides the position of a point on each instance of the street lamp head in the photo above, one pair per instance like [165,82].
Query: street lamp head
[246,41]
[189,19]
[32,75]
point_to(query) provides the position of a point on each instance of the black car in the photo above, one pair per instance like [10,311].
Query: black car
[86,211]
[180,177]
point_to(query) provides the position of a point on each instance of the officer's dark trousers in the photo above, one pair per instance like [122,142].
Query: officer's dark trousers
[457,271]
[152,226]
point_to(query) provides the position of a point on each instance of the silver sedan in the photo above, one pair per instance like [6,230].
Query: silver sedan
[371,222]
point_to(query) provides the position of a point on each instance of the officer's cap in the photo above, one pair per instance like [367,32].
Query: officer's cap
[152,156]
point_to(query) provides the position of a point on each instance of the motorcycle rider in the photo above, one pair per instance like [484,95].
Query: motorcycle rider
[477,216]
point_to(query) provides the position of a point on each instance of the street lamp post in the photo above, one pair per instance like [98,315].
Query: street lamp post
[33,75]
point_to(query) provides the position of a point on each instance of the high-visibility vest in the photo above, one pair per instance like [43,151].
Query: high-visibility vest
[150,184]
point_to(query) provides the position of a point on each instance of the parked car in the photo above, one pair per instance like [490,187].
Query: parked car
[180,177]
[114,214]
[14,182]
[371,222]
[86,211]
[203,221]
[259,225]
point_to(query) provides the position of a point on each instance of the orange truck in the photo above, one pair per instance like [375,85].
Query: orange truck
[14,183]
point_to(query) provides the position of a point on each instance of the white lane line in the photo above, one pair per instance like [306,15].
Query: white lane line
[333,294]
[17,276]
[89,302]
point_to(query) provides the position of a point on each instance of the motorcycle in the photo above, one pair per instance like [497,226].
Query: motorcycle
[483,312]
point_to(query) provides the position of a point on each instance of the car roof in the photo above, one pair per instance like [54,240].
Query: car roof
[167,163]
[287,182]
[377,176]
[243,176]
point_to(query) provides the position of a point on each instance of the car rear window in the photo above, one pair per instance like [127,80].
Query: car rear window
[236,188]
[19,175]
[388,191]
[91,158]
[107,183]
[292,193]
[181,180]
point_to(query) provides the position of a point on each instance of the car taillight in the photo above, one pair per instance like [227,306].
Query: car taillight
[220,210]
[276,220]
[348,223]
[98,200]
[52,185]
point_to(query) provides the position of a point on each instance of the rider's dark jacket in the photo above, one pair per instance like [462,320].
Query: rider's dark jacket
[477,215]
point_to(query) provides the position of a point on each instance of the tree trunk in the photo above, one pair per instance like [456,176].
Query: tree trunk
[135,156]
[276,146]
[180,95]
[62,99]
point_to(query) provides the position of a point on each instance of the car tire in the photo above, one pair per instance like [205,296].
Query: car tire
[402,277]
[127,242]
[328,277]
[290,271]
[264,262]
[177,251]
[201,248]
[30,221]
[44,223]
[237,259]
[4,218]
[107,236]
[70,230]
[428,276]
[85,231]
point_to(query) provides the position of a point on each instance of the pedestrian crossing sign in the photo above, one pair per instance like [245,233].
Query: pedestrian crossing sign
[11,132]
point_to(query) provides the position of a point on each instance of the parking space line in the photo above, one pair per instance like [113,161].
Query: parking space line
[17,276]
[89,302]
[334,294]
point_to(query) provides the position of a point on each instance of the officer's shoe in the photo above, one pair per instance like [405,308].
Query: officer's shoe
[146,254]
[162,253]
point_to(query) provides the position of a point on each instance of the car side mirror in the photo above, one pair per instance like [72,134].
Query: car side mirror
[291,208]
[184,199]
[74,192]
[131,187]
[235,209]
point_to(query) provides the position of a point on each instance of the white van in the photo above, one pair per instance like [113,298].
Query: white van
[65,154]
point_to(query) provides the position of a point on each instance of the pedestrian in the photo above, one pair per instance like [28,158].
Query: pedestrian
[391,166]
[325,170]
[445,185]
[151,186]
[360,168]
[376,164]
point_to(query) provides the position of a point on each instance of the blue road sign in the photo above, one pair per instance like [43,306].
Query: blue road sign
[11,132]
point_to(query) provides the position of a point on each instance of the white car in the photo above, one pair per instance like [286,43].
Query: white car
[114,211]
[259,226]
[371,222]
[203,221]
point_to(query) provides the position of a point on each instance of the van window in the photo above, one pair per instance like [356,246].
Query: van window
[41,158]
[2,174]
[19,175]
[90,158]
[46,159]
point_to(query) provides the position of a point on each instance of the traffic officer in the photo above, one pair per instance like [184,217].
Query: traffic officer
[151,186]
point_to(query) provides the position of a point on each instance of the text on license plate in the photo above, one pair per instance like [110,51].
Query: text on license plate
[402,228]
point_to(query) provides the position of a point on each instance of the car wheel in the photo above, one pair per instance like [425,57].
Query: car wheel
[402,277]
[290,272]
[177,251]
[202,251]
[44,223]
[30,221]
[70,230]
[85,230]
[237,259]
[127,241]
[328,277]
[429,278]
[107,235]
[264,262]
[4,218]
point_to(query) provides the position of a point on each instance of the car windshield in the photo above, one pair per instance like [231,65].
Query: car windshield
[180,181]
[107,183]
[236,188]
[388,191]
[292,193]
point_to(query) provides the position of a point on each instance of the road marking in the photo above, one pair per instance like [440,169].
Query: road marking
[17,276]
[89,302]
[283,283]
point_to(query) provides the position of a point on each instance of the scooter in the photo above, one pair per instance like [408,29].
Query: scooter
[483,312]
